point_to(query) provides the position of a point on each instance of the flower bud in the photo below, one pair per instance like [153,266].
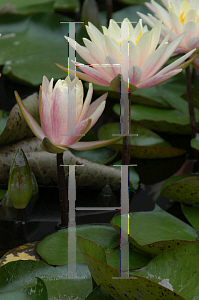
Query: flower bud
[20,182]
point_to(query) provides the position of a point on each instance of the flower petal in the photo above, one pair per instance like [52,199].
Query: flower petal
[86,103]
[129,55]
[113,66]
[133,75]
[175,23]
[95,144]
[76,133]
[155,80]
[95,52]
[193,43]
[34,126]
[96,109]
[112,48]
[143,46]
[44,112]
[97,76]
[162,14]
[96,36]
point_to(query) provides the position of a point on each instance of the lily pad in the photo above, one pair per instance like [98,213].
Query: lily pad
[58,285]
[54,248]
[16,127]
[160,119]
[175,269]
[195,142]
[34,43]
[97,294]
[146,144]
[182,188]
[35,292]
[156,231]
[192,213]
[112,285]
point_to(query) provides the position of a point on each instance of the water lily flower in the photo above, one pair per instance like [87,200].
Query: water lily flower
[126,53]
[57,131]
[180,16]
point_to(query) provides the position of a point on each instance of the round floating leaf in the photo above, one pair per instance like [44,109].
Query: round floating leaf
[36,42]
[156,230]
[35,292]
[195,142]
[192,213]
[101,156]
[160,119]
[27,7]
[97,294]
[133,287]
[53,248]
[146,144]
[19,275]
[67,5]
[182,188]
[175,269]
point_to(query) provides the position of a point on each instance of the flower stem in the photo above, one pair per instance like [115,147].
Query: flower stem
[190,101]
[191,108]
[108,10]
[63,197]
[126,129]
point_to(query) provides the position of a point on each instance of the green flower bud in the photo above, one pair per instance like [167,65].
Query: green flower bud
[20,182]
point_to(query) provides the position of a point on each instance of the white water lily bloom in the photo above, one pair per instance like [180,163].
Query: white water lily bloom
[57,128]
[127,51]
[180,16]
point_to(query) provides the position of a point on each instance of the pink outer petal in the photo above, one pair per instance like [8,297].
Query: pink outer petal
[192,43]
[94,145]
[44,112]
[151,66]
[95,74]
[150,6]
[155,80]
[190,29]
[134,74]
[146,19]
[113,66]
[176,63]
[36,129]
[83,76]
[96,109]
[162,14]
[82,51]
[73,135]
[86,103]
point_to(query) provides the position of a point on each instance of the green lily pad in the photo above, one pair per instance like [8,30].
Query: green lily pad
[182,188]
[156,231]
[146,145]
[53,248]
[67,5]
[160,119]
[36,42]
[35,292]
[134,287]
[97,294]
[175,269]
[58,285]
[191,213]
[16,127]
[2,193]
[3,119]
[27,7]
[101,156]
[195,142]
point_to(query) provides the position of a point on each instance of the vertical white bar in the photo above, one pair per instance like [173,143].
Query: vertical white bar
[71,224]
[71,96]
[124,244]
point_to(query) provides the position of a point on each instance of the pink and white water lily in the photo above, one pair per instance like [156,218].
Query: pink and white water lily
[181,16]
[58,107]
[129,52]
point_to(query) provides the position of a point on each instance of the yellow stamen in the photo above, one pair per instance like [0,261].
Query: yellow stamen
[182,17]
[138,37]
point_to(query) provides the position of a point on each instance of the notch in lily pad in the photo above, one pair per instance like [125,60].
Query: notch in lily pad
[20,182]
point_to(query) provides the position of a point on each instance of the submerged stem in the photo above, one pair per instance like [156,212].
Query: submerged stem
[63,197]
